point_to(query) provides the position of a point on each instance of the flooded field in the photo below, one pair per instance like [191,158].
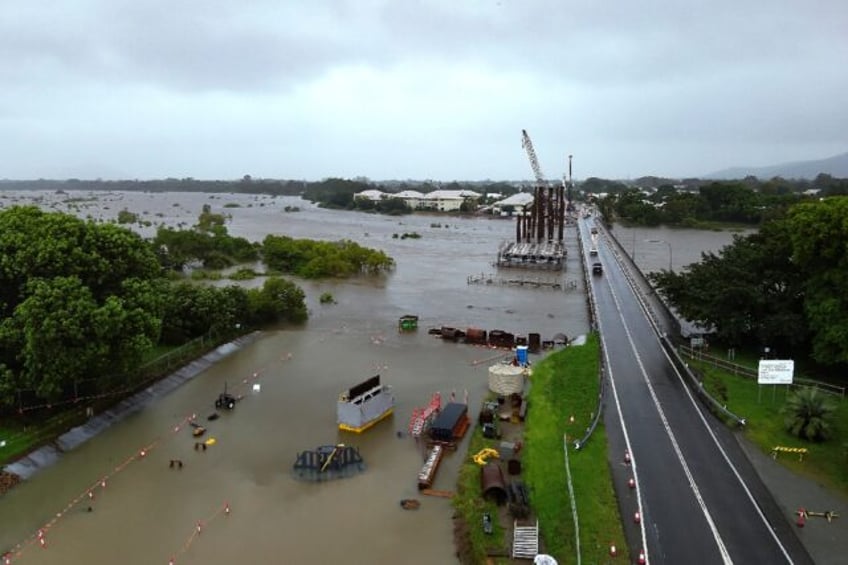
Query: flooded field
[149,512]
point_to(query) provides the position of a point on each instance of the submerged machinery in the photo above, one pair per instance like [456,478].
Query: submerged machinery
[327,462]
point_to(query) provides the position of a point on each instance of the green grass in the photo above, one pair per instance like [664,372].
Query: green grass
[565,384]
[473,544]
[22,436]
[826,462]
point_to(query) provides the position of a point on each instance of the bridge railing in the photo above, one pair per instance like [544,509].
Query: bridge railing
[631,272]
[593,321]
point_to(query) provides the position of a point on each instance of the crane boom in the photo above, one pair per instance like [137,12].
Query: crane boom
[531,154]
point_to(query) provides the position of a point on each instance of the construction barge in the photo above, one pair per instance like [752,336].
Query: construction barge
[364,405]
[548,255]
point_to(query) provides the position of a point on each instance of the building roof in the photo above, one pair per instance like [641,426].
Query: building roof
[450,195]
[518,199]
[408,194]
[371,194]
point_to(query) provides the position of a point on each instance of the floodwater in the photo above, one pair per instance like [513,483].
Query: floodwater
[149,513]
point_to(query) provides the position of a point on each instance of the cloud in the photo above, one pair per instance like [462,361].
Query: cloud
[417,88]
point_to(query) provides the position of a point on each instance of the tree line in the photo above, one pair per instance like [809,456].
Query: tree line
[87,301]
[782,287]
[695,203]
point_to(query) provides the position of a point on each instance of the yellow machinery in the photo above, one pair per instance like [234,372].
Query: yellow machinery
[482,456]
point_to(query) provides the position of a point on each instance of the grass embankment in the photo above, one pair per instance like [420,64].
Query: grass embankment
[762,408]
[472,544]
[563,384]
[566,384]
[35,428]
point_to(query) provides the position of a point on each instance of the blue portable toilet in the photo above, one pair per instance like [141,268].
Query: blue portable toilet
[521,355]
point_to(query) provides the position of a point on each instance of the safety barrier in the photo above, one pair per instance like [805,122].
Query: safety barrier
[801,451]
[593,320]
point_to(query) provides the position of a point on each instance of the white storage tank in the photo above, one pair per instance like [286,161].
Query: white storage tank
[506,378]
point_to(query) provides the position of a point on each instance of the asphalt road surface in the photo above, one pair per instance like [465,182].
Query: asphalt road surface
[699,499]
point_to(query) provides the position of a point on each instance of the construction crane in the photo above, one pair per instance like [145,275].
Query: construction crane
[548,209]
[531,154]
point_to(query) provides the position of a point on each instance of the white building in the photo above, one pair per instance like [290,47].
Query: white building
[411,197]
[447,200]
[441,200]
[373,195]
[519,202]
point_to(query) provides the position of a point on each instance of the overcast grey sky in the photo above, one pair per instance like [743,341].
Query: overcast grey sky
[421,89]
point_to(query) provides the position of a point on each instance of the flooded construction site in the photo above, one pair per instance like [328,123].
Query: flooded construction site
[156,497]
[238,499]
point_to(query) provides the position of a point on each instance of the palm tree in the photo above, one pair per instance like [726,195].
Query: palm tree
[808,414]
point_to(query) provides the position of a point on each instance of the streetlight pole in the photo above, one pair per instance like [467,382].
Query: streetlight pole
[670,256]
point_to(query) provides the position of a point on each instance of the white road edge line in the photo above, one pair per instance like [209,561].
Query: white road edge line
[726,457]
[706,425]
[626,439]
[692,484]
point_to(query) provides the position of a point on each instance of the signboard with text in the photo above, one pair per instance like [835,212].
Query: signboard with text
[775,372]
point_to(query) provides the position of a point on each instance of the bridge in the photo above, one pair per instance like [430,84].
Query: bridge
[699,498]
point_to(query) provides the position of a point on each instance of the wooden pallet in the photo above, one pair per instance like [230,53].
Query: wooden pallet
[525,541]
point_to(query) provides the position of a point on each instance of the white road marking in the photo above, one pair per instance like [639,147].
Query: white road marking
[626,439]
[691,479]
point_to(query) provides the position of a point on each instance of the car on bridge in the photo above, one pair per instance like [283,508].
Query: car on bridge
[597,269]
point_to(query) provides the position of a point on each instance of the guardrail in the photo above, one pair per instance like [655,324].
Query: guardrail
[750,373]
[628,267]
[593,321]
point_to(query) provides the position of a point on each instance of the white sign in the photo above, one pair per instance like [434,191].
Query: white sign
[775,372]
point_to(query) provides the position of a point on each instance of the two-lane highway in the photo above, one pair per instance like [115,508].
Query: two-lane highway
[699,500]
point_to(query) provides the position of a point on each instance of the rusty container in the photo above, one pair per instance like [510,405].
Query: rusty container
[476,336]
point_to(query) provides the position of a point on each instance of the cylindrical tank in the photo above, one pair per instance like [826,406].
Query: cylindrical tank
[506,379]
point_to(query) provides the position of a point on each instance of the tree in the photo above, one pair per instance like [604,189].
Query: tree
[78,300]
[278,300]
[819,232]
[808,414]
[317,259]
[66,335]
[751,292]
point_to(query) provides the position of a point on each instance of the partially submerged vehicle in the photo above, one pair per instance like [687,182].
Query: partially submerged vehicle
[226,400]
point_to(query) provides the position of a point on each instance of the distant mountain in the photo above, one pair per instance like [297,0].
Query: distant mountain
[836,166]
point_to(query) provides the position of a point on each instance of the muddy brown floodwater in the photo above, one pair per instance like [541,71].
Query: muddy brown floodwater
[149,513]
